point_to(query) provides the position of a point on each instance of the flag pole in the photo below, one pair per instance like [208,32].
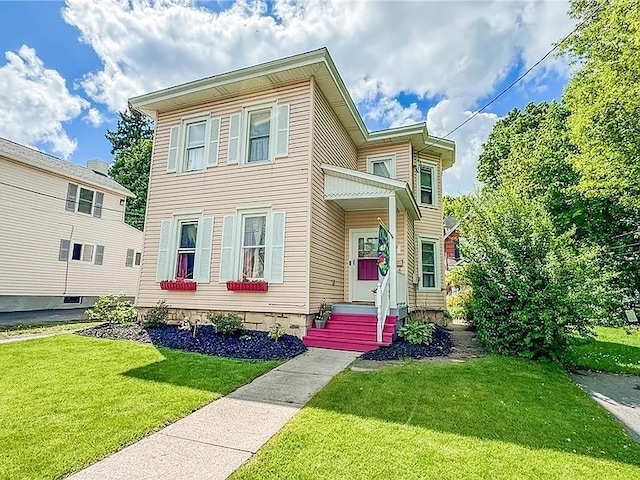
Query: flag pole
[385,227]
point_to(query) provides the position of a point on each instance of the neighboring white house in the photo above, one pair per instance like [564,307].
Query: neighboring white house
[63,240]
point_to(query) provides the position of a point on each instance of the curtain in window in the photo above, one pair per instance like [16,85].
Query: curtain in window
[367,269]
[185,265]
[254,250]
[259,149]
[195,158]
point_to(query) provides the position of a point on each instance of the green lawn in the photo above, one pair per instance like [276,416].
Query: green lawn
[491,418]
[66,401]
[613,350]
[14,330]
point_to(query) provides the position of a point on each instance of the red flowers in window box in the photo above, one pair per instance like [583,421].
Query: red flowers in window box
[178,284]
[248,286]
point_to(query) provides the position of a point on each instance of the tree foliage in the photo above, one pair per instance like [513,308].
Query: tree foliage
[132,127]
[457,206]
[532,288]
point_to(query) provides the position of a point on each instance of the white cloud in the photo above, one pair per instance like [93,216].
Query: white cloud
[94,117]
[454,50]
[35,102]
[444,117]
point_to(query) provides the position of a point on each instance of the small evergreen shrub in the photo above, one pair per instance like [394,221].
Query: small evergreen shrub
[157,316]
[228,324]
[416,332]
[112,309]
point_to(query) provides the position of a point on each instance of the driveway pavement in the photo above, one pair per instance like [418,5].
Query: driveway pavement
[214,441]
[619,394]
[41,316]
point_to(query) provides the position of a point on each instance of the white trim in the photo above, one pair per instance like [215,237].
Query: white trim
[353,270]
[82,245]
[390,157]
[182,142]
[434,184]
[247,110]
[437,260]
[93,200]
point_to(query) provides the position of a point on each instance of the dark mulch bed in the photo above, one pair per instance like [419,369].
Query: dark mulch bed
[399,349]
[258,347]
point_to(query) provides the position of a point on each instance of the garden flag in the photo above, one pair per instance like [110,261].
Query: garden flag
[383,250]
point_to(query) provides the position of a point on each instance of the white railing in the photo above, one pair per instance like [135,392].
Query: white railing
[401,289]
[383,301]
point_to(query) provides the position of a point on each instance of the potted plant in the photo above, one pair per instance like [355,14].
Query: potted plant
[322,317]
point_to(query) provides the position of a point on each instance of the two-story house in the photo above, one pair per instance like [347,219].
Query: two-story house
[264,198]
[63,241]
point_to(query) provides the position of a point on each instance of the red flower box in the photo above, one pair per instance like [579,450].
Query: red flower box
[248,286]
[177,285]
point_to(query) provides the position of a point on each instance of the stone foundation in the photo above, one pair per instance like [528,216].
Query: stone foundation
[434,316]
[292,323]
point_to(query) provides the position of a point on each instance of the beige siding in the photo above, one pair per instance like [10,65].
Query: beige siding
[218,191]
[33,225]
[332,145]
[402,151]
[430,226]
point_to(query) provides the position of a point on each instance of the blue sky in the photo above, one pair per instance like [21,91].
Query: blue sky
[403,62]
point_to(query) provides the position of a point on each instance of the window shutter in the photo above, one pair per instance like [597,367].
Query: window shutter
[129,260]
[204,242]
[99,254]
[226,251]
[163,250]
[233,154]
[275,265]
[172,160]
[72,193]
[63,255]
[97,204]
[282,131]
[214,142]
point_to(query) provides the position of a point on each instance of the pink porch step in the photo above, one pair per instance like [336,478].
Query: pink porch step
[355,332]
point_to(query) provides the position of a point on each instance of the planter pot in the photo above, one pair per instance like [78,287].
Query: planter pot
[322,322]
[176,285]
[248,286]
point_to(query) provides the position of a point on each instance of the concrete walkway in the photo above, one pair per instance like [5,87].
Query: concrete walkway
[619,394]
[214,441]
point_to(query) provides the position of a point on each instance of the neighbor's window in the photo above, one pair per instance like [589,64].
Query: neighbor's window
[187,231]
[194,146]
[428,264]
[138,258]
[85,202]
[426,185]
[82,252]
[253,245]
[259,125]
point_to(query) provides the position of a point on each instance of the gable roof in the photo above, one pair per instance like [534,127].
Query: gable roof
[317,64]
[34,158]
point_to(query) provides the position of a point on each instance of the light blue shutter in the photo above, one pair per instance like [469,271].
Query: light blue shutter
[72,193]
[233,153]
[202,261]
[172,160]
[162,268]
[214,142]
[282,131]
[275,266]
[97,204]
[227,251]
[99,254]
[128,262]
[63,254]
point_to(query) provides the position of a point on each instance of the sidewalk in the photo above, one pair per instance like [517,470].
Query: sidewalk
[214,441]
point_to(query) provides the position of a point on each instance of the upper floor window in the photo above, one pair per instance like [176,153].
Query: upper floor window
[382,166]
[259,134]
[84,200]
[427,185]
[193,145]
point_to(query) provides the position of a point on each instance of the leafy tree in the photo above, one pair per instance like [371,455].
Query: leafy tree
[532,288]
[603,97]
[457,206]
[131,169]
[132,127]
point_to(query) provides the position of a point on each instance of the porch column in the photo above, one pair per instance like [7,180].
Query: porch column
[393,271]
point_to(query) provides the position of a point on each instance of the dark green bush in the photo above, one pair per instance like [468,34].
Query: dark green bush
[228,324]
[112,309]
[157,316]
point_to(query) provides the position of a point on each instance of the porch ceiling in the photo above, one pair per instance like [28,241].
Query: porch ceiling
[354,190]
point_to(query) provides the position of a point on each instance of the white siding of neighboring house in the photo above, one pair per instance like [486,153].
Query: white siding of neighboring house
[33,225]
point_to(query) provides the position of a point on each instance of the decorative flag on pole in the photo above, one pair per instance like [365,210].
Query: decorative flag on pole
[383,249]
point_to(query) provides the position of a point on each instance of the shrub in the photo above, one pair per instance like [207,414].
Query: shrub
[532,287]
[276,332]
[112,309]
[228,324]
[157,316]
[459,305]
[416,332]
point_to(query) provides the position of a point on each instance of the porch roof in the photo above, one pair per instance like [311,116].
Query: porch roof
[354,190]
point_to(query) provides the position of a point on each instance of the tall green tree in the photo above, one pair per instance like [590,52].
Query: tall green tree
[131,144]
[457,206]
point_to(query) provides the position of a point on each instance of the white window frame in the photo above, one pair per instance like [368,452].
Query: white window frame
[93,200]
[82,251]
[243,217]
[175,246]
[434,185]
[436,267]
[244,132]
[390,159]
[182,143]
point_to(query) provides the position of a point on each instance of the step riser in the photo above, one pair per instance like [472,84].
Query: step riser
[356,328]
[341,345]
[348,337]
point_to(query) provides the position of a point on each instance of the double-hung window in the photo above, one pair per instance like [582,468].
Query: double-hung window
[259,135]
[382,166]
[426,185]
[194,146]
[254,229]
[85,201]
[428,265]
[185,260]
